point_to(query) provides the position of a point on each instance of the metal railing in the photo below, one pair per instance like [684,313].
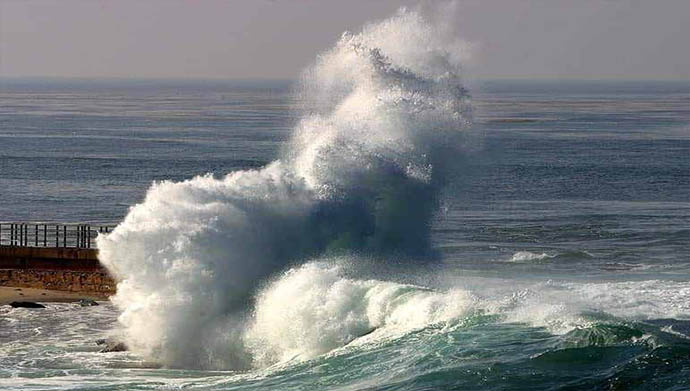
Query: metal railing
[51,235]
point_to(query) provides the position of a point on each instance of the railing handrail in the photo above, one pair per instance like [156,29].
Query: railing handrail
[49,222]
[51,234]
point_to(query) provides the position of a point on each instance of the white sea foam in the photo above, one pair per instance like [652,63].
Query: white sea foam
[314,309]
[559,307]
[526,256]
[361,175]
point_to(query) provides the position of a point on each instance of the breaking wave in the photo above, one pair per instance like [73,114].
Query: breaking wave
[361,177]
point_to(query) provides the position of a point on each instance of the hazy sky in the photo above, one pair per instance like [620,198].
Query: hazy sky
[276,39]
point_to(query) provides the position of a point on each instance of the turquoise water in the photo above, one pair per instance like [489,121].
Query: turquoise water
[478,351]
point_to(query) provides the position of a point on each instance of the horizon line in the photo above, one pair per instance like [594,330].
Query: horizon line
[295,80]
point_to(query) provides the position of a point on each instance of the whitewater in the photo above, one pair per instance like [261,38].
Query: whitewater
[368,255]
[361,176]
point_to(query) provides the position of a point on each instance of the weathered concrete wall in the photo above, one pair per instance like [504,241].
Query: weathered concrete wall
[65,269]
[50,258]
[92,283]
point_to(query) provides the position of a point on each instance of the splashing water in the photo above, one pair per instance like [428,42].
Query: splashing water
[361,175]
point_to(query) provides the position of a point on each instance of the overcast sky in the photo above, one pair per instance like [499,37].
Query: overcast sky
[276,39]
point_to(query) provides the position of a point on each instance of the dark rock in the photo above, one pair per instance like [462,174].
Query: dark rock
[26,304]
[87,303]
[111,345]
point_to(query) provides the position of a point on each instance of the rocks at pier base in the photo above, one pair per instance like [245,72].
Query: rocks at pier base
[26,304]
[111,345]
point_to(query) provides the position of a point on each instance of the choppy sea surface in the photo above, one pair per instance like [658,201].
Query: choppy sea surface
[563,237]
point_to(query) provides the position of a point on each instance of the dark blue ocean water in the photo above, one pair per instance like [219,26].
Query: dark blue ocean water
[572,197]
[567,167]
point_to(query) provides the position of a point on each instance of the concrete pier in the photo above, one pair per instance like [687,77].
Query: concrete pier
[57,268]
[50,258]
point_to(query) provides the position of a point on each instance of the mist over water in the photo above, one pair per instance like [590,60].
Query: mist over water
[361,178]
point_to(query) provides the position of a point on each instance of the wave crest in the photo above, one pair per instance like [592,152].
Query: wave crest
[361,174]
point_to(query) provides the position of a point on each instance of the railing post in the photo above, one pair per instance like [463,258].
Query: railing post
[80,236]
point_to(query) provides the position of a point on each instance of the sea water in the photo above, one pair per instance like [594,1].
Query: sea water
[380,224]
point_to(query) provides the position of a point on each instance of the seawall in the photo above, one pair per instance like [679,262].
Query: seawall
[65,269]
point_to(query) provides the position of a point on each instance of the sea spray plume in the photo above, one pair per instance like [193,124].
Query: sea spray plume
[361,175]
[387,104]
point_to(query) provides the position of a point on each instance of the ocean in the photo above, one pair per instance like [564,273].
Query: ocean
[342,234]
